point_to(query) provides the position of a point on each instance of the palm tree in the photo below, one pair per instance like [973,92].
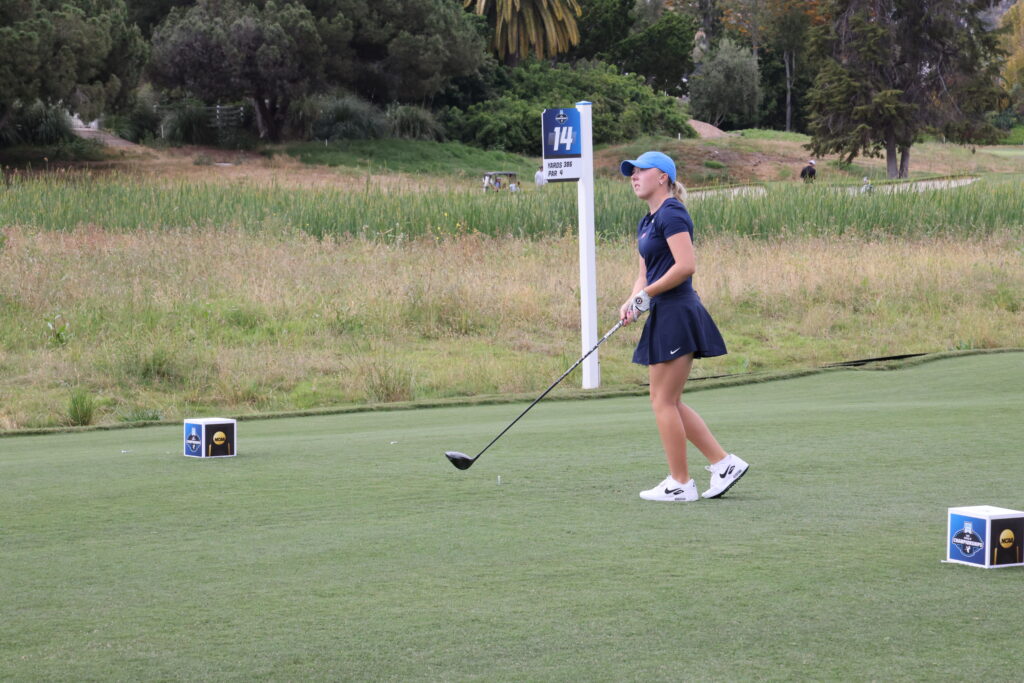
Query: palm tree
[545,27]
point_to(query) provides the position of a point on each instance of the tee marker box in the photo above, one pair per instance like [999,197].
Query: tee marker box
[985,536]
[211,437]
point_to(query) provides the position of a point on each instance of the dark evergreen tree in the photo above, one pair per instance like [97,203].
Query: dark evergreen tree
[220,49]
[83,54]
[661,53]
[406,50]
[146,14]
[892,69]
[603,24]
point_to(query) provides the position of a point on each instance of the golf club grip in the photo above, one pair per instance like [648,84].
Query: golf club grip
[555,384]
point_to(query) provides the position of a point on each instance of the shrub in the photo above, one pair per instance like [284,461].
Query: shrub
[77,149]
[344,117]
[1014,136]
[415,123]
[81,407]
[140,121]
[385,382]
[1003,120]
[188,123]
[37,124]
[46,125]
[624,107]
[504,123]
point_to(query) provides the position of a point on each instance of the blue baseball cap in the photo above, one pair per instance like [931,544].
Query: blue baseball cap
[657,160]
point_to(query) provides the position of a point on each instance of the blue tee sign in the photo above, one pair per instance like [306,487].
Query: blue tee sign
[563,145]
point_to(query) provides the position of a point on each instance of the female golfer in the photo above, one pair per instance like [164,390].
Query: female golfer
[677,330]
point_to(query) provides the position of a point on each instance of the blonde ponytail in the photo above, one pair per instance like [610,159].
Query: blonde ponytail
[678,191]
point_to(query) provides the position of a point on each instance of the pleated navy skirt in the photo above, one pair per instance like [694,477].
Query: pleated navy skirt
[675,327]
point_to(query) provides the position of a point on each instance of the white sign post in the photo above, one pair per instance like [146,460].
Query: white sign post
[567,139]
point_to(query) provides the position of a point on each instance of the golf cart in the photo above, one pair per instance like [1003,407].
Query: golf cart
[497,181]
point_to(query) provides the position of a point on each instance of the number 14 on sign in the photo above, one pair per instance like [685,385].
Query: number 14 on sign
[561,135]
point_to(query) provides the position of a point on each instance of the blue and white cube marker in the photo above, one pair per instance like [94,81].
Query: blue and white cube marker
[985,536]
[211,437]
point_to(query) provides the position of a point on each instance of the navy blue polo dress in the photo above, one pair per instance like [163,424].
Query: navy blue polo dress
[678,323]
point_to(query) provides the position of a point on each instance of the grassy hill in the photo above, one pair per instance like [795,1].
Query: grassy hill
[741,157]
[766,156]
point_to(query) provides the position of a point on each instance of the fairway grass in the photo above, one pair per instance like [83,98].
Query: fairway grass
[347,548]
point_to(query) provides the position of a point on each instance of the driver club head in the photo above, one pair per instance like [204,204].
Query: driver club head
[460,460]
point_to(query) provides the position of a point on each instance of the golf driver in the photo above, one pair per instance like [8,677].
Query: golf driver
[464,462]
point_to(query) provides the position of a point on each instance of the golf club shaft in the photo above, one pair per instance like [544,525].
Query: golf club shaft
[557,381]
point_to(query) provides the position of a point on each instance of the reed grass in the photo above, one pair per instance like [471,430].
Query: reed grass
[120,202]
[81,407]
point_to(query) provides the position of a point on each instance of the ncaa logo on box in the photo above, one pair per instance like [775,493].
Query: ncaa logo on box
[985,536]
[211,437]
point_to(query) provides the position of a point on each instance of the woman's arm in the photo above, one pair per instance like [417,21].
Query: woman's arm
[685,265]
[641,277]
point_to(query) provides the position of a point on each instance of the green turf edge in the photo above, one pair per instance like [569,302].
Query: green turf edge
[695,384]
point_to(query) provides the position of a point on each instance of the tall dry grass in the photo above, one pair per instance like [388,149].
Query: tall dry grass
[167,323]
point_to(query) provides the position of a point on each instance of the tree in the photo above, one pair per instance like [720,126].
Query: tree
[777,26]
[83,54]
[220,49]
[789,22]
[748,19]
[894,68]
[645,52]
[1012,41]
[602,24]
[727,88]
[547,28]
[403,50]
[708,14]
[146,14]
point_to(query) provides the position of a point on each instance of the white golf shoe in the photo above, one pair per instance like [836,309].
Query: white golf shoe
[672,490]
[724,474]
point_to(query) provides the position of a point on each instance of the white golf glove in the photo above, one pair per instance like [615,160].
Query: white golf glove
[634,306]
[640,302]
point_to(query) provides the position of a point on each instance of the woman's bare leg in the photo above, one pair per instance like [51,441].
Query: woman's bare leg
[667,382]
[699,434]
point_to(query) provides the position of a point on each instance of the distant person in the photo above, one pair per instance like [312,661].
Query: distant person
[538,177]
[513,186]
[678,329]
[808,172]
[867,187]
